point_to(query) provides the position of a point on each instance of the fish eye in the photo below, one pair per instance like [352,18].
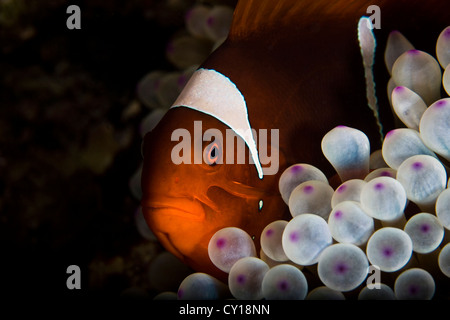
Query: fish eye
[211,154]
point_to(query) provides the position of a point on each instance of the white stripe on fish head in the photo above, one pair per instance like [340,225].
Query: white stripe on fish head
[211,92]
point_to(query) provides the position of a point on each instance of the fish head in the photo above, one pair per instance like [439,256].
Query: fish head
[185,203]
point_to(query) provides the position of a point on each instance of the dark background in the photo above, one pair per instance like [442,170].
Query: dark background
[69,140]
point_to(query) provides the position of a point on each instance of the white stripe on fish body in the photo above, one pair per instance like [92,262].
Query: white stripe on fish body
[211,92]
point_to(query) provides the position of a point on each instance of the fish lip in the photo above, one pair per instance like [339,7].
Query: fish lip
[171,247]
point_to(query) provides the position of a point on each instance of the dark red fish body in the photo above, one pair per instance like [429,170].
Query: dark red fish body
[299,67]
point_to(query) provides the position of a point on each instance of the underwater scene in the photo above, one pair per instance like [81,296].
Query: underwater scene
[225,150]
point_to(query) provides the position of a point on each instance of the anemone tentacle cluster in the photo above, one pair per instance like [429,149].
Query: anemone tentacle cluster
[391,211]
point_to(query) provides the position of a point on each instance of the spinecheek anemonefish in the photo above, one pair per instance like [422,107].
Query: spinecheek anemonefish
[294,66]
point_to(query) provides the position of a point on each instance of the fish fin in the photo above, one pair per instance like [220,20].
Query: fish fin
[252,16]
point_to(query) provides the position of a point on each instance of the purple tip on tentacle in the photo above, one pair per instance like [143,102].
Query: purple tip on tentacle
[390,133]
[399,89]
[414,52]
[424,228]
[338,214]
[447,33]
[379,186]
[294,236]
[386,174]
[240,279]
[297,169]
[156,85]
[308,189]
[221,243]
[440,104]
[341,126]
[417,165]
[341,268]
[188,14]
[413,289]
[210,21]
[388,252]
[269,232]
[283,285]
[342,188]
[170,48]
[181,81]
[180,293]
